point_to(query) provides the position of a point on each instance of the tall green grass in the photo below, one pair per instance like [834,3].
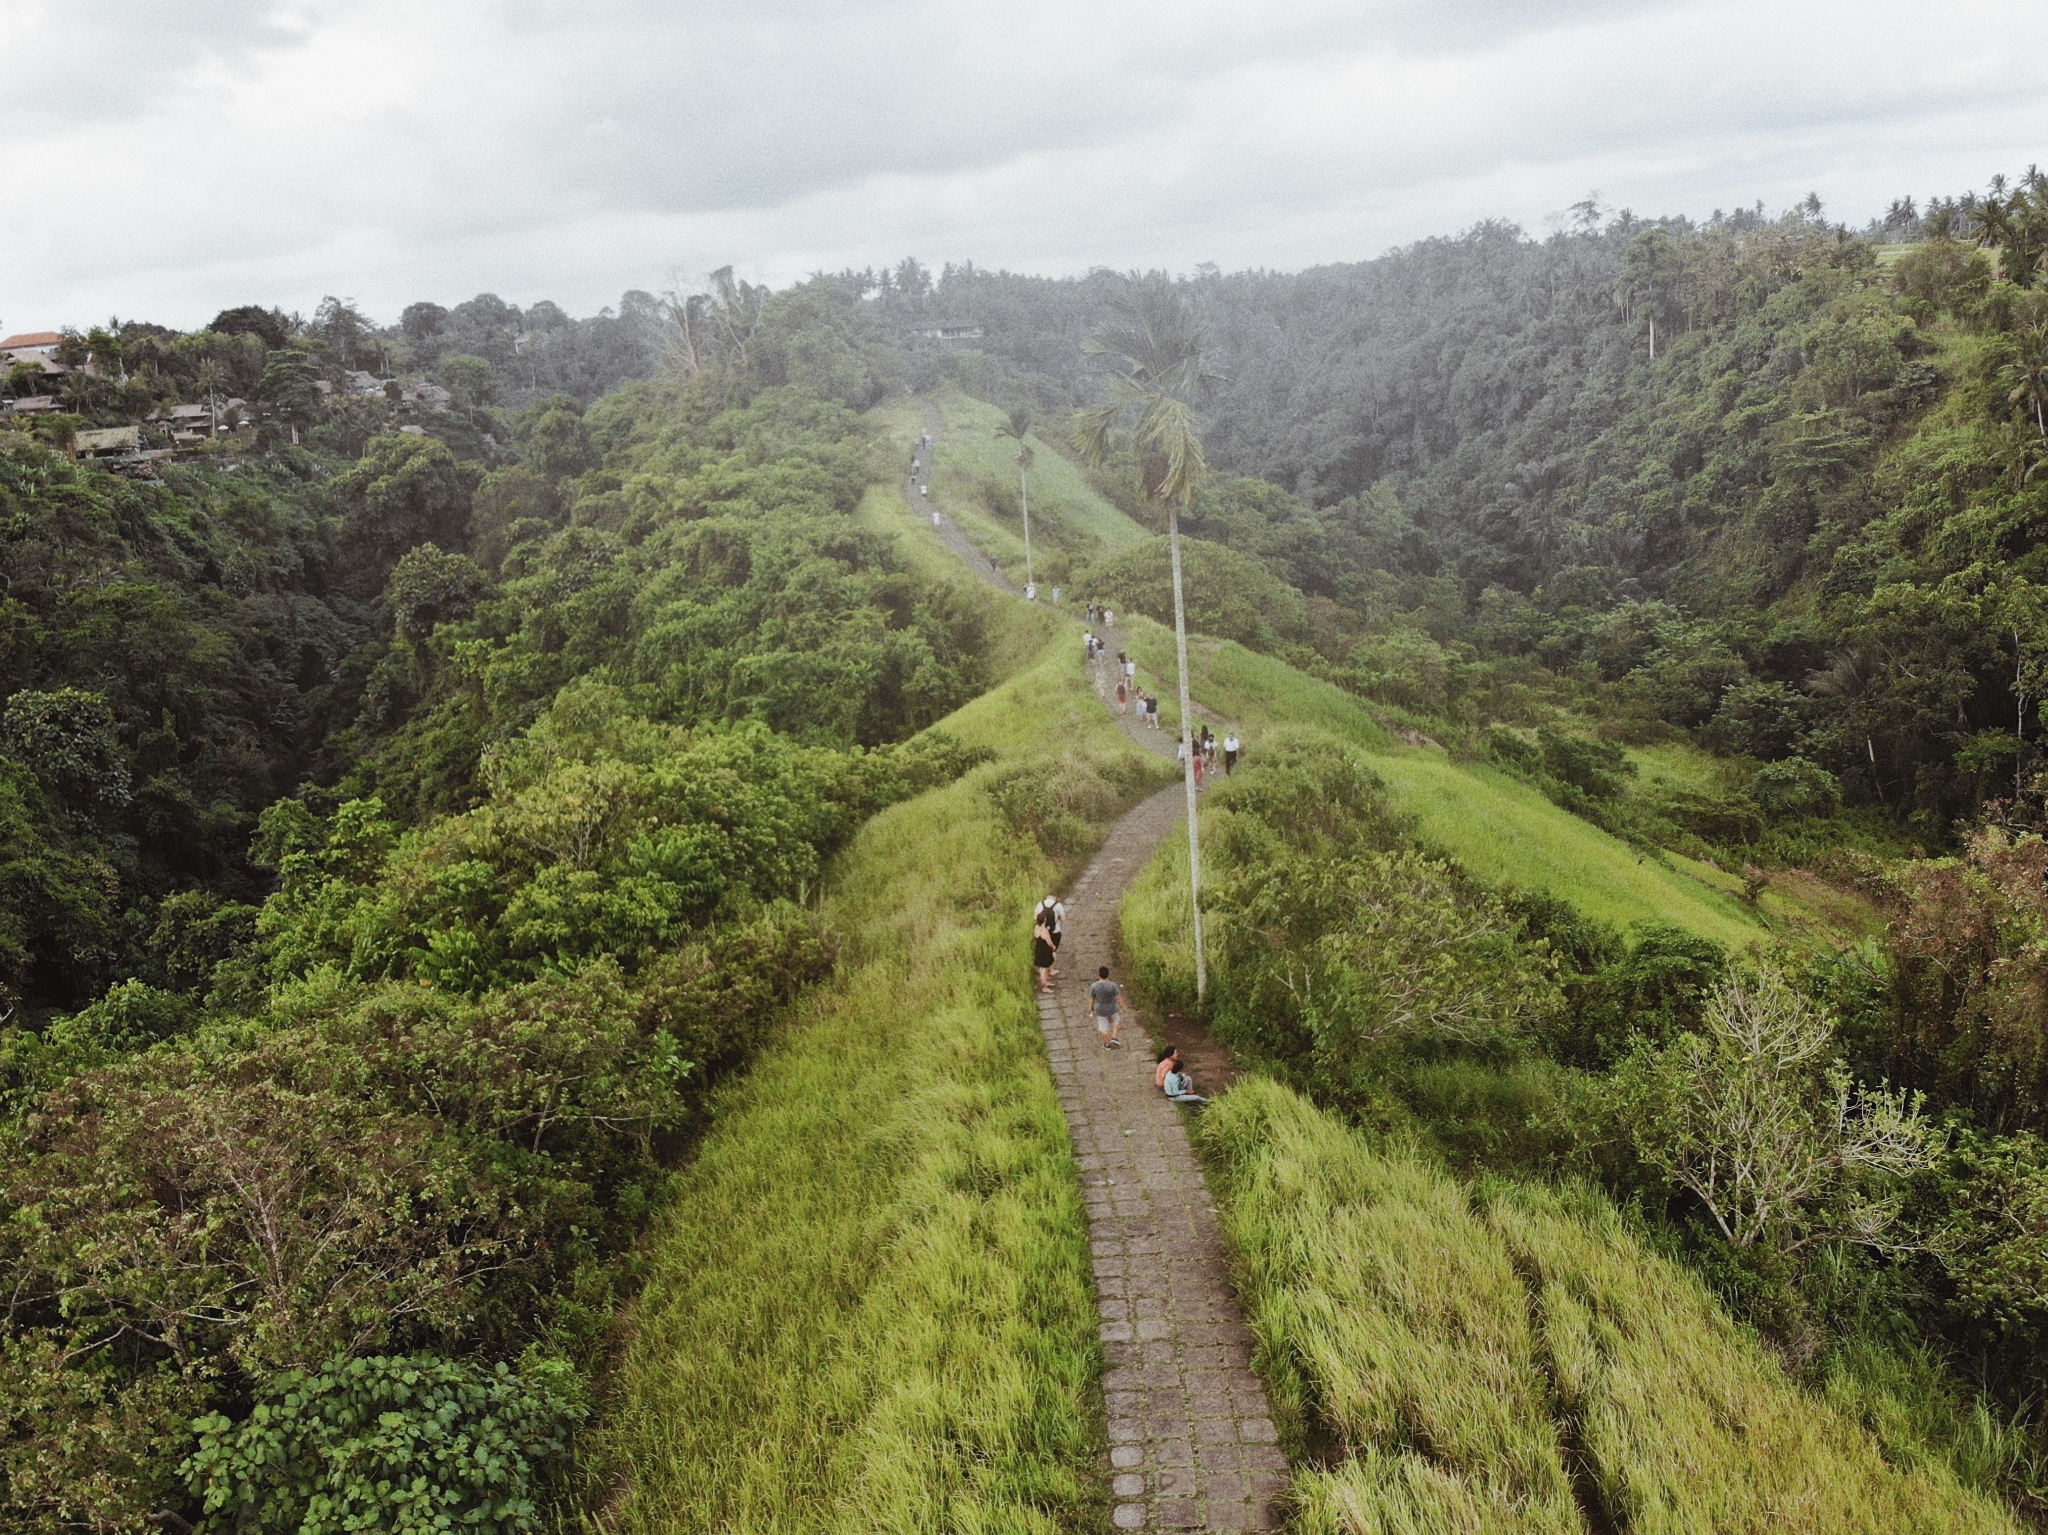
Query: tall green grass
[869,1308]
[1510,1357]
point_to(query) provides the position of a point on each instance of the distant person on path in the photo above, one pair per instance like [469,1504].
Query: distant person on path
[1130,668]
[1031,591]
[1042,954]
[924,490]
[1123,696]
[937,520]
[1231,747]
[1108,1000]
[1055,596]
[1152,708]
[1108,619]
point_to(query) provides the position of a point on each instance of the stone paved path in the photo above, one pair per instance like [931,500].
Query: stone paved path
[1192,1441]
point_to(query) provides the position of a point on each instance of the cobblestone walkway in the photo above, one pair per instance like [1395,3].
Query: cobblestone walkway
[1192,1441]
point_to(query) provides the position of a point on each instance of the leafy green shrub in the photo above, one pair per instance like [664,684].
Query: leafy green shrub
[131,1016]
[1059,802]
[612,844]
[1600,770]
[412,1445]
[89,1448]
[67,738]
[1227,594]
[1332,944]
[1795,788]
[1515,752]
[1650,986]
[1405,668]
[1989,1199]
[1758,719]
[1717,818]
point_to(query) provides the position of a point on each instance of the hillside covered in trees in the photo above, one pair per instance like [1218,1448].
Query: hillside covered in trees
[428,794]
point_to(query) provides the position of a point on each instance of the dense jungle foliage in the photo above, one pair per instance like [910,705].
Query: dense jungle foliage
[399,843]
[1763,478]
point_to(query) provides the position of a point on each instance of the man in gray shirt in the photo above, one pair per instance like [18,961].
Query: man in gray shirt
[1108,998]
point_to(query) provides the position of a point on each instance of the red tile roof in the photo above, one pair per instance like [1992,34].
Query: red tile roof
[32,338]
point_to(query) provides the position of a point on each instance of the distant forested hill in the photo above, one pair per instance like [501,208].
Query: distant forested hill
[1779,479]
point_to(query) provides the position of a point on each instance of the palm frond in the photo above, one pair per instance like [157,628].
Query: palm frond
[1093,429]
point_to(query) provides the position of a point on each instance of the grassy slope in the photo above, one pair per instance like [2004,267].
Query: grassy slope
[1500,828]
[1069,521]
[868,1308]
[1456,1351]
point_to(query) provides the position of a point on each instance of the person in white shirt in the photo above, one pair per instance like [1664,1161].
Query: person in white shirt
[1231,747]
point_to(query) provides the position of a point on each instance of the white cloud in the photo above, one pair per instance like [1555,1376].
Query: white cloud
[181,159]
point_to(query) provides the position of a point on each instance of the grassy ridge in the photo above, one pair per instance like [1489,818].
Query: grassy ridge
[1503,830]
[1502,1357]
[869,1307]
[974,467]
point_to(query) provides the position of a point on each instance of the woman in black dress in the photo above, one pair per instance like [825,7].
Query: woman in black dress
[1041,951]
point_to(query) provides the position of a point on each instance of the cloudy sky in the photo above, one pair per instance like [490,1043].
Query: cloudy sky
[163,161]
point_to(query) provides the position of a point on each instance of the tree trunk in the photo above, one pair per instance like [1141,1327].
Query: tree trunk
[1024,499]
[1187,736]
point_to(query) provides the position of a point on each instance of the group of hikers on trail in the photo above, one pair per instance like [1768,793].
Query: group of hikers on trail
[1048,925]
[1105,1000]
[921,472]
[1127,689]
[1206,746]
[1206,749]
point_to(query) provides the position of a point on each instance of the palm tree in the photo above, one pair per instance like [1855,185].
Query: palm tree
[210,377]
[1154,352]
[2028,376]
[1016,424]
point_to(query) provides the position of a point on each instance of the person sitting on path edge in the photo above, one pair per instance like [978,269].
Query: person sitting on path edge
[1108,998]
[1169,1060]
[1179,1086]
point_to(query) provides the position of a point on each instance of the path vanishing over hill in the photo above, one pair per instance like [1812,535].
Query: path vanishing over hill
[1192,1439]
